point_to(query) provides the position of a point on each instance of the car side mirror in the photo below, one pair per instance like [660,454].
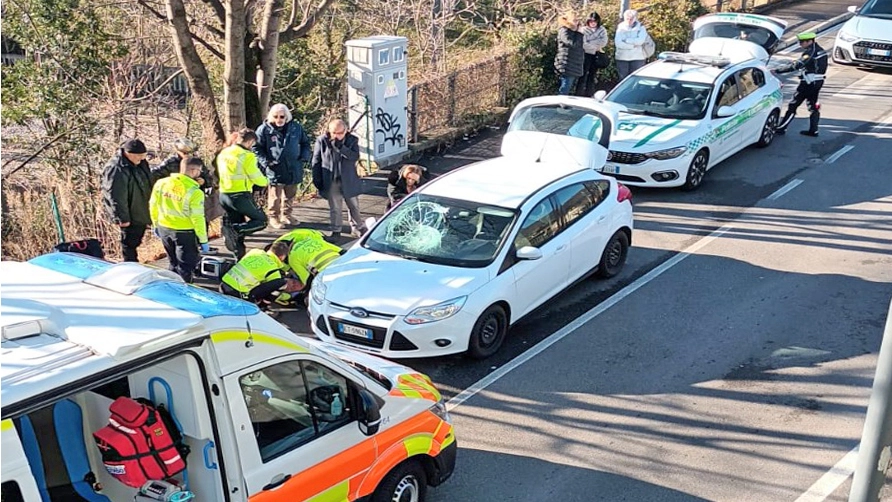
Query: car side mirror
[726,111]
[600,95]
[369,413]
[529,253]
[853,9]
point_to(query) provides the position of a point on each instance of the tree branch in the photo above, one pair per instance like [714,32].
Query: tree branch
[219,10]
[294,32]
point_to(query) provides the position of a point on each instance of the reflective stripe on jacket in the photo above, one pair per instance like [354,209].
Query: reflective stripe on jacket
[311,256]
[255,268]
[177,202]
[237,170]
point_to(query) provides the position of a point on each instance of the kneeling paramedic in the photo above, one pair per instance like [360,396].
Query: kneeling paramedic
[260,277]
[309,254]
[811,65]
[177,211]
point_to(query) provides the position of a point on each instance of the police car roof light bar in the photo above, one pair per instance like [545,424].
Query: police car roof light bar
[688,58]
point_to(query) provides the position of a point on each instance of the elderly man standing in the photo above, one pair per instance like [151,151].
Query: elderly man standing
[126,188]
[335,177]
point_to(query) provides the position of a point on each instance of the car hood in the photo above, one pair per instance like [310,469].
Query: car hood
[649,134]
[869,27]
[392,285]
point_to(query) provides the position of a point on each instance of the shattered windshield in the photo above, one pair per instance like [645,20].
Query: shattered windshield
[442,230]
[666,98]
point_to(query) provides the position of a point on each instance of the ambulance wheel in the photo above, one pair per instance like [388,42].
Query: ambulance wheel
[407,482]
[768,130]
[696,171]
[614,256]
[488,333]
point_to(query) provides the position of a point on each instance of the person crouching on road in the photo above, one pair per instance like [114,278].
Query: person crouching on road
[403,181]
[311,255]
[812,65]
[238,174]
[177,211]
[335,177]
[260,277]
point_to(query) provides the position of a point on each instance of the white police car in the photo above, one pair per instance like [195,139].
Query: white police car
[686,112]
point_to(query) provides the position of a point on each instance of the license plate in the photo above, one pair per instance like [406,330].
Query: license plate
[355,331]
[610,169]
[878,52]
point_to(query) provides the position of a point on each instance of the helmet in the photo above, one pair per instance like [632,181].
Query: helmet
[184,145]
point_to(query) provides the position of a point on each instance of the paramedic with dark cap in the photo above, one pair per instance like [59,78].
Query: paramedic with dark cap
[812,66]
[126,188]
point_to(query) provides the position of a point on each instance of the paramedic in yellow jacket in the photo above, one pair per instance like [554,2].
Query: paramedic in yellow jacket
[238,174]
[310,255]
[177,211]
[260,277]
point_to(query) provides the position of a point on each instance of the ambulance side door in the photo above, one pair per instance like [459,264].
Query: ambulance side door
[296,429]
[18,484]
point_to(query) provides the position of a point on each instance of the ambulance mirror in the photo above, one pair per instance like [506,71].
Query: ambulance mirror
[369,413]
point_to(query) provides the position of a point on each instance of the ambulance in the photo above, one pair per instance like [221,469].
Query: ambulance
[256,412]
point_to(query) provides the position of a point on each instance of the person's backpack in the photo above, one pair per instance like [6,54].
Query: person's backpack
[141,442]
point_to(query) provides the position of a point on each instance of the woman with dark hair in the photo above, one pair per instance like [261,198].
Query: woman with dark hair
[404,181]
[594,39]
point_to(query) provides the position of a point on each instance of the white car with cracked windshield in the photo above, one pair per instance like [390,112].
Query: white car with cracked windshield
[461,259]
[686,112]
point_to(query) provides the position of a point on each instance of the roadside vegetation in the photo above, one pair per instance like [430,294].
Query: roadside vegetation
[96,73]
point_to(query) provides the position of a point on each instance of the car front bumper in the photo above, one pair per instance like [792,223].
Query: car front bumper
[863,52]
[389,335]
[651,172]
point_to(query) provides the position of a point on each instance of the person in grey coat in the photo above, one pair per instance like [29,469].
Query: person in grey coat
[335,177]
[570,57]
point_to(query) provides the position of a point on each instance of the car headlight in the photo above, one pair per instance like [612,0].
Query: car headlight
[436,312]
[318,290]
[670,153]
[439,409]
[847,37]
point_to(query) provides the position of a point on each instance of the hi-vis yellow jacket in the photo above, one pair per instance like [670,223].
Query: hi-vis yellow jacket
[255,268]
[177,203]
[310,256]
[237,170]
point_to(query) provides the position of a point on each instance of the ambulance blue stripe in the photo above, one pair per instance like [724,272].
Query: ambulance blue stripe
[73,264]
[195,300]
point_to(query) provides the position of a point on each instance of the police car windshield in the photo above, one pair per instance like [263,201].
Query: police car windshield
[667,98]
[442,230]
[877,8]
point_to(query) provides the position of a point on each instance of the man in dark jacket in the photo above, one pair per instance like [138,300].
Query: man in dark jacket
[812,67]
[334,175]
[570,58]
[282,149]
[126,188]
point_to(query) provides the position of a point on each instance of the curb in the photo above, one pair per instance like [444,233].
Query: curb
[818,28]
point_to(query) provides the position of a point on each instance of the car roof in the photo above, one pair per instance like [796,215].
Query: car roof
[680,71]
[502,181]
[66,317]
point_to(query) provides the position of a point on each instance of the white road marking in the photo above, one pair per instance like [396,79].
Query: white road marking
[839,153]
[784,189]
[830,481]
[865,87]
[883,123]
[557,336]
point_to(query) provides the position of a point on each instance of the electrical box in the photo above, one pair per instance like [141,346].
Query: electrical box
[377,97]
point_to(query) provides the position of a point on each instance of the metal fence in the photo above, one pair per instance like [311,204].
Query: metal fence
[453,99]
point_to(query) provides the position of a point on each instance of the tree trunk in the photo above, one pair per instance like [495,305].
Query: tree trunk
[234,68]
[196,74]
[269,46]
[254,113]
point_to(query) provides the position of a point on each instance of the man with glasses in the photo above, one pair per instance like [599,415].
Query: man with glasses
[126,188]
[334,175]
[282,149]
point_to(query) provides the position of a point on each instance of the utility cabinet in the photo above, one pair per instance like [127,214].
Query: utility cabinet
[377,96]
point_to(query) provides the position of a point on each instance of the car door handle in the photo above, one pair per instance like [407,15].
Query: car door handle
[277,480]
[602,219]
[561,248]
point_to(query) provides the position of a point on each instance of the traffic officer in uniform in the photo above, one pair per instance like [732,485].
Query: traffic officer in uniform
[177,211]
[261,277]
[238,174]
[812,66]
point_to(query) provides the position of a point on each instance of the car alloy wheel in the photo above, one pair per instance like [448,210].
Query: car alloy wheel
[696,171]
[768,130]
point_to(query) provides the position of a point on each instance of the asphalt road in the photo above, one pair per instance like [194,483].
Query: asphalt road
[738,370]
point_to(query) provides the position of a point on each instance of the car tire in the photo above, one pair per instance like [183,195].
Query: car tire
[488,333]
[767,135]
[696,171]
[614,256]
[407,481]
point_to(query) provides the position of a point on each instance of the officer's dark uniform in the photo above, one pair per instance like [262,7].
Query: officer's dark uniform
[812,66]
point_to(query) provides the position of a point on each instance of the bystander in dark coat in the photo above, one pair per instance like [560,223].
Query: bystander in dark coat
[126,188]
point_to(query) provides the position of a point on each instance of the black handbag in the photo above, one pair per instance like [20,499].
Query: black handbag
[602,60]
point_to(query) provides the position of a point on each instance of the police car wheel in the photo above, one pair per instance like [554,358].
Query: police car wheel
[768,130]
[407,482]
[696,171]
[488,332]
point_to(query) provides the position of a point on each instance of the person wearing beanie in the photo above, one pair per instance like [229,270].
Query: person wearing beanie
[126,188]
